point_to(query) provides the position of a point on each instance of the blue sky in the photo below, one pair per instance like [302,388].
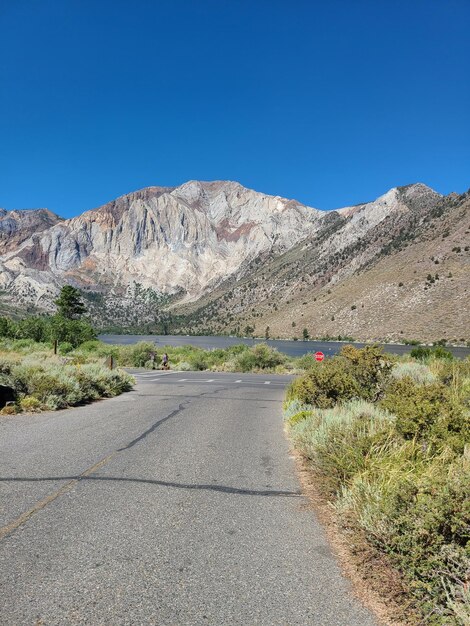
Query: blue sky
[329,102]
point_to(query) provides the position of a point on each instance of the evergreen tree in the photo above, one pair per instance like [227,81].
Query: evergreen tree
[69,303]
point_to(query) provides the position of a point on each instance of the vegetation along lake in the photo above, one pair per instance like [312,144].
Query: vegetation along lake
[291,348]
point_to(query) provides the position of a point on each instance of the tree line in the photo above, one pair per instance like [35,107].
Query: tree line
[65,326]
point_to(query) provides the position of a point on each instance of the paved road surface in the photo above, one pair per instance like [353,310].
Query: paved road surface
[292,348]
[174,504]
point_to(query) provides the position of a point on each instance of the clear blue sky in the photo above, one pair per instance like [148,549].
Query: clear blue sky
[331,102]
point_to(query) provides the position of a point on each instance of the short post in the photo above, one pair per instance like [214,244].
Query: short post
[56,344]
[110,362]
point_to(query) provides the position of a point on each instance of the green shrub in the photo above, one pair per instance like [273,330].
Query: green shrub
[237,349]
[355,373]
[7,327]
[423,353]
[34,328]
[298,417]
[93,346]
[427,412]
[65,347]
[416,507]
[337,440]
[103,381]
[24,343]
[325,385]
[259,357]
[53,402]
[439,352]
[58,386]
[135,355]
[371,368]
[198,362]
[245,362]
[30,404]
[305,362]
[418,372]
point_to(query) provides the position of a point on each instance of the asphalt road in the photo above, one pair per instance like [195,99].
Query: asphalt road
[174,504]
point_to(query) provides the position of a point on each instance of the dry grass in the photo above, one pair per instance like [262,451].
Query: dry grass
[374,581]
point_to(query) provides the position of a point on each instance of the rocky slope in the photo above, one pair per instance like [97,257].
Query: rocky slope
[172,240]
[217,257]
[18,226]
[395,268]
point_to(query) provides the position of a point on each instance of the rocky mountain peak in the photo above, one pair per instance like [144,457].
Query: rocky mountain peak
[397,199]
[170,239]
[19,225]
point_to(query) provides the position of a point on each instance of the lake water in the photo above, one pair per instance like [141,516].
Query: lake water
[292,348]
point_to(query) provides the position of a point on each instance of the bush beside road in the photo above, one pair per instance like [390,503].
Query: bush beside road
[39,380]
[387,442]
[237,358]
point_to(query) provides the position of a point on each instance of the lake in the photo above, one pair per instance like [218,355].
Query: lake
[292,348]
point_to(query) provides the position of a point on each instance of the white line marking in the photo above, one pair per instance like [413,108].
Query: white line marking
[153,374]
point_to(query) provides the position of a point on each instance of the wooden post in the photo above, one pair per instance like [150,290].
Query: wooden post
[110,362]
[56,344]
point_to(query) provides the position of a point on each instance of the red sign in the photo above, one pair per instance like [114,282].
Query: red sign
[319,356]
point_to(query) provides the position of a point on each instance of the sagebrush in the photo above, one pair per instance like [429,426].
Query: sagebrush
[389,443]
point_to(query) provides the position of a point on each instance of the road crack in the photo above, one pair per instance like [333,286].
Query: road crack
[41,504]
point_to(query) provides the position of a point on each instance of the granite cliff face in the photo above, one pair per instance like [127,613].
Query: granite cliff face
[17,226]
[181,239]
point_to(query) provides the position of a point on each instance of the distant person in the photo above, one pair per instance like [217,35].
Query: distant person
[165,361]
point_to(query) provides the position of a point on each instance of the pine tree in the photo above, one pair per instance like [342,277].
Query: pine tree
[69,303]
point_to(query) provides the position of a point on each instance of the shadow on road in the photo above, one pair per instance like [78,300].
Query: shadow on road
[163,483]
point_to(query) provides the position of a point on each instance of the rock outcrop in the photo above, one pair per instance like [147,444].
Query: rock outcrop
[17,226]
[174,240]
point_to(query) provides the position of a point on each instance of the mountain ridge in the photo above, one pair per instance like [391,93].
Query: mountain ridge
[181,245]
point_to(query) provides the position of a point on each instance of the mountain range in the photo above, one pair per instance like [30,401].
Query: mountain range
[218,257]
